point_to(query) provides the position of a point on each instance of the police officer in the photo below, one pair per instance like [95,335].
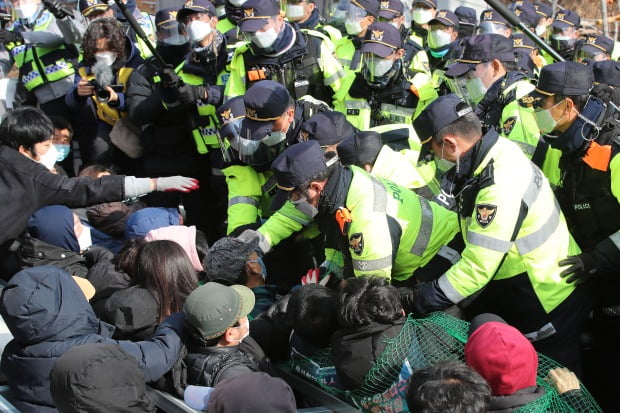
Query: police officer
[493,22]
[381,92]
[443,45]
[175,107]
[593,49]
[306,14]
[422,12]
[468,21]
[581,127]
[328,128]
[565,33]
[389,232]
[514,232]
[359,15]
[415,58]
[529,59]
[41,44]
[278,51]
[486,79]
[365,150]
[269,115]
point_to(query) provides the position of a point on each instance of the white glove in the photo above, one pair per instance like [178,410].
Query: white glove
[176,184]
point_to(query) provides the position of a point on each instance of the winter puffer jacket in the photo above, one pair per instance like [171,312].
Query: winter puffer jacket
[48,314]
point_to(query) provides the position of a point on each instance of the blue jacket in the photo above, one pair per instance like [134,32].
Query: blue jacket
[48,314]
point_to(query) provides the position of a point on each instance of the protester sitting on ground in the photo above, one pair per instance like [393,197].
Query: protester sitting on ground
[312,314]
[219,346]
[141,222]
[48,314]
[110,273]
[448,386]
[27,185]
[163,278]
[193,241]
[109,217]
[370,313]
[231,261]
[248,393]
[99,377]
[506,360]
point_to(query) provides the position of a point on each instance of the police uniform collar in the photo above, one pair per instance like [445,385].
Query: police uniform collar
[335,192]
[474,157]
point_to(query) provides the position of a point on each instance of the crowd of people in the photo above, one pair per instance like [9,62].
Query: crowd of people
[194,197]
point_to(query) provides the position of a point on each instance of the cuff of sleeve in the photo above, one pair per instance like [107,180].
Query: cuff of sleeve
[448,290]
[136,186]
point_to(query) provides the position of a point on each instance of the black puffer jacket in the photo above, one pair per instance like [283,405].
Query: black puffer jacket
[47,315]
[99,377]
[28,186]
[207,366]
[355,350]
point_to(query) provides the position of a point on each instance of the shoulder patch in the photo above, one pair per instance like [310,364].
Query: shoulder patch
[485,214]
[508,125]
[356,243]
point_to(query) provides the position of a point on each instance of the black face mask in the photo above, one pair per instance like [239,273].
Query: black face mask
[563,46]
[173,54]
[234,13]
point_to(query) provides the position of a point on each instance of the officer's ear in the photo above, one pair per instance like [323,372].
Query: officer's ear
[371,18]
[399,53]
[455,33]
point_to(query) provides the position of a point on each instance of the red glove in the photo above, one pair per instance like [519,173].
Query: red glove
[313,276]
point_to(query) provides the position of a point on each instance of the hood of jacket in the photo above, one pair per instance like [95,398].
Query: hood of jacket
[147,219]
[54,224]
[503,356]
[91,376]
[45,304]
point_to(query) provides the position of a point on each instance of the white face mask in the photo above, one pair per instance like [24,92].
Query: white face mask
[476,90]
[220,11]
[49,159]
[545,121]
[541,29]
[560,37]
[264,40]
[395,24]
[106,58]
[237,3]
[85,240]
[439,38]
[353,27]
[198,30]
[295,11]
[421,16]
[444,165]
[27,11]
[382,66]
